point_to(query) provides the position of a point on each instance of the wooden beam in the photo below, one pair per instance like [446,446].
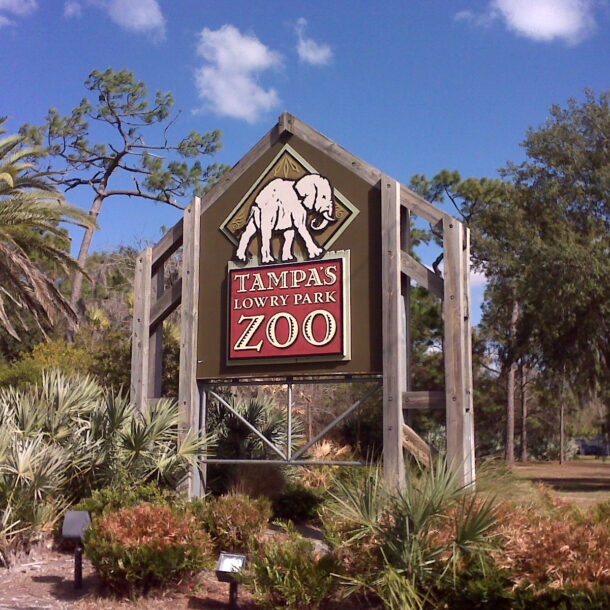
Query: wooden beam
[422,275]
[405,291]
[416,445]
[453,344]
[167,245]
[393,354]
[188,395]
[168,302]
[140,339]
[284,123]
[469,450]
[423,400]
[155,353]
[418,205]
[228,178]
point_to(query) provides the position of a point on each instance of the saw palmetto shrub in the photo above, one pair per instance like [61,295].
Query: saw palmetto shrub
[288,572]
[235,522]
[408,549]
[65,436]
[147,546]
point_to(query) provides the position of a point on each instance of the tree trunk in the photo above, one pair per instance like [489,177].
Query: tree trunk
[523,370]
[562,455]
[510,392]
[83,253]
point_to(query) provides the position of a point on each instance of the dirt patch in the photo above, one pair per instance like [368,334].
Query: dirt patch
[584,482]
[48,583]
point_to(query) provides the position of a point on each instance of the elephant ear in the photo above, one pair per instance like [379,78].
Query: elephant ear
[307,189]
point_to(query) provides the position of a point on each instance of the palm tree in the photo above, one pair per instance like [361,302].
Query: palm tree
[31,239]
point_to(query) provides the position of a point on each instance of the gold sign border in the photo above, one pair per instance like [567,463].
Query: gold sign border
[347,319]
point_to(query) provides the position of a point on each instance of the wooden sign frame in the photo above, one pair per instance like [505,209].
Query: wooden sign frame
[153,304]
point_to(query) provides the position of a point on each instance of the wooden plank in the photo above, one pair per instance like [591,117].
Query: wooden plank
[188,395]
[140,334]
[393,355]
[405,291]
[253,155]
[168,302]
[454,348]
[155,354]
[418,205]
[423,400]
[469,450]
[416,445]
[422,275]
[284,123]
[167,245]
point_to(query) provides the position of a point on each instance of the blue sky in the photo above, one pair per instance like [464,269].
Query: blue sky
[411,87]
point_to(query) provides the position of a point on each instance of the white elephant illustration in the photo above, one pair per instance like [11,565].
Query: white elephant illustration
[282,205]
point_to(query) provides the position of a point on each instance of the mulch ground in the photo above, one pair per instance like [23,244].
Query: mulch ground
[47,582]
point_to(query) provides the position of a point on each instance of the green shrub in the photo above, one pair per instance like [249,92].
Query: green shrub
[123,494]
[146,546]
[297,503]
[56,354]
[233,521]
[289,573]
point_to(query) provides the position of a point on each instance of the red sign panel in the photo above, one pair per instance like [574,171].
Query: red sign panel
[294,310]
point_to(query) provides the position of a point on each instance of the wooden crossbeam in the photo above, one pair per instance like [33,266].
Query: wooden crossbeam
[163,306]
[416,445]
[167,245]
[423,400]
[422,275]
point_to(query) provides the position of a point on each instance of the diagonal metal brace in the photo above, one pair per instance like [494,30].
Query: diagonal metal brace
[248,424]
[335,421]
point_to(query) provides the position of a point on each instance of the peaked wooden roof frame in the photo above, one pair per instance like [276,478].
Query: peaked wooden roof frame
[153,304]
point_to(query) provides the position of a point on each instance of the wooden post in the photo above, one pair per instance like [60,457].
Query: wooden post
[188,395]
[405,290]
[393,349]
[469,452]
[155,354]
[140,341]
[454,344]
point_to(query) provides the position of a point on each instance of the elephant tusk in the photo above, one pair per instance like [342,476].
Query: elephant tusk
[320,226]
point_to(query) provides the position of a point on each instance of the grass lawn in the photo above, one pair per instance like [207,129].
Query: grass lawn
[584,481]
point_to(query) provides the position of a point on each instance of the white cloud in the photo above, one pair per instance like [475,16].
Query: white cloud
[477,279]
[5,21]
[228,79]
[309,50]
[72,9]
[141,16]
[540,20]
[21,8]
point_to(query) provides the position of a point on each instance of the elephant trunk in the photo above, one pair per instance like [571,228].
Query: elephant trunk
[322,224]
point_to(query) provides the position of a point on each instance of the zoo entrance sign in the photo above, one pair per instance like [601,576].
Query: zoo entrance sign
[298,309]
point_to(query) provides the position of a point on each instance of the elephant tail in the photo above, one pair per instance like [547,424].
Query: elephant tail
[255,215]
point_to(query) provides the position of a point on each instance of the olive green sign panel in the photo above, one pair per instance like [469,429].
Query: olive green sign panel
[355,227]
